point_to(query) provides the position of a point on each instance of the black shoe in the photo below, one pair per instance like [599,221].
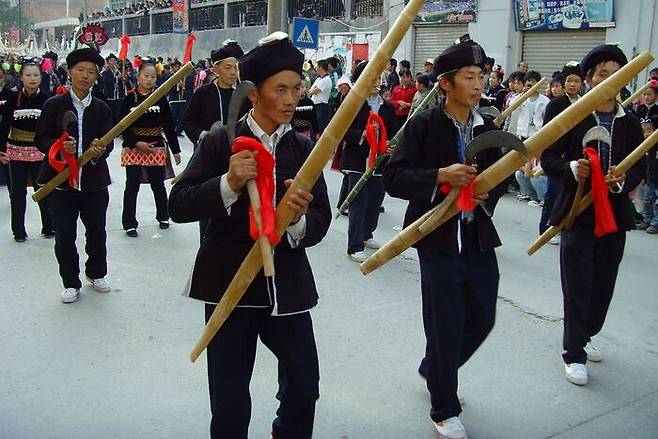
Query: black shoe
[164,225]
[382,209]
[132,233]
[20,238]
[49,234]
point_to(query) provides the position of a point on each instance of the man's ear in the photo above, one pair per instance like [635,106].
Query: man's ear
[253,96]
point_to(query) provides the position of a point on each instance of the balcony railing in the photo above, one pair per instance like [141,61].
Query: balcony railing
[367,8]
[316,9]
[211,17]
[250,13]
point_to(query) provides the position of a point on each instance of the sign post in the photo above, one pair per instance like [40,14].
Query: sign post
[305,33]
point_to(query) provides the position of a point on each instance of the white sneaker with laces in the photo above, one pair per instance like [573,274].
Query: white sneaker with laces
[451,428]
[533,203]
[101,285]
[555,240]
[576,373]
[593,353]
[69,295]
[358,256]
[372,243]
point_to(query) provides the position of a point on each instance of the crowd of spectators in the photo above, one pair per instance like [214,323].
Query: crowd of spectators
[136,8]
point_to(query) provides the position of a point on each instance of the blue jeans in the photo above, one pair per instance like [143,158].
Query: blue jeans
[650,201]
[364,211]
[534,187]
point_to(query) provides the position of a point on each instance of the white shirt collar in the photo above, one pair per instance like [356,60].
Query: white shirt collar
[84,102]
[270,141]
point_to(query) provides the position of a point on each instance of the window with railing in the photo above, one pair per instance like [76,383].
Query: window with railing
[162,23]
[113,28]
[210,17]
[367,8]
[316,8]
[250,13]
[138,25]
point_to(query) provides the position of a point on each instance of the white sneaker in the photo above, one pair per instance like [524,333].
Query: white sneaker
[593,353]
[576,373]
[358,256]
[101,285]
[555,240]
[451,428]
[69,295]
[533,203]
[372,243]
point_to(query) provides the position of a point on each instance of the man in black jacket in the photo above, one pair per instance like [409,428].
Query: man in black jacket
[90,201]
[589,263]
[458,267]
[275,309]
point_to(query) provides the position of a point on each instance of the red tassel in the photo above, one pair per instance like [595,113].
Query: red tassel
[69,160]
[464,201]
[187,57]
[604,217]
[123,52]
[265,184]
[376,146]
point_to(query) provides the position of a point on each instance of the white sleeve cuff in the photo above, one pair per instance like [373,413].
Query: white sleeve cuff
[229,196]
[572,165]
[297,232]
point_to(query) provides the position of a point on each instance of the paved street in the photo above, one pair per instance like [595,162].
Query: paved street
[116,365]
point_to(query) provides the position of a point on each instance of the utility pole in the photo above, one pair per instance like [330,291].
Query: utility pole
[20,21]
[274,18]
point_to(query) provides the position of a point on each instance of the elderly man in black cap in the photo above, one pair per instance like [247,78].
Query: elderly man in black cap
[589,256]
[210,102]
[458,267]
[90,199]
[275,309]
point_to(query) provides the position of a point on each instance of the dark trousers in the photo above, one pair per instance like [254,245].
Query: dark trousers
[4,175]
[322,116]
[364,211]
[177,113]
[553,187]
[231,356]
[588,269]
[459,310]
[19,173]
[156,176]
[91,207]
[115,106]
[344,190]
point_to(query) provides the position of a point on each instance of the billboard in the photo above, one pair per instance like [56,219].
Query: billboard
[563,14]
[447,11]
[180,15]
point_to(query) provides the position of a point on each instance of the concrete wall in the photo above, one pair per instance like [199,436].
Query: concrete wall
[494,31]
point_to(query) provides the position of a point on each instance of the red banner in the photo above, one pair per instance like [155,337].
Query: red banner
[180,9]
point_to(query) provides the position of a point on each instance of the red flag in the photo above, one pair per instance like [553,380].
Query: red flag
[187,57]
[376,146]
[265,184]
[123,52]
[604,218]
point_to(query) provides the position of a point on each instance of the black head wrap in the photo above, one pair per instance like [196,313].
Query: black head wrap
[274,53]
[465,52]
[230,49]
[602,53]
[84,54]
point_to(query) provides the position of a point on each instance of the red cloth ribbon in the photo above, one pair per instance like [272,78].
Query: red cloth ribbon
[69,159]
[464,201]
[123,52]
[61,90]
[265,184]
[187,57]
[604,217]
[376,146]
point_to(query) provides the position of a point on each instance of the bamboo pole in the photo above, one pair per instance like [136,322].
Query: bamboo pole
[513,160]
[637,154]
[310,170]
[518,102]
[378,161]
[116,131]
[637,93]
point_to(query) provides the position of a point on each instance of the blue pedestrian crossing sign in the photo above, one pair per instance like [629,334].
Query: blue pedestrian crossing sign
[305,33]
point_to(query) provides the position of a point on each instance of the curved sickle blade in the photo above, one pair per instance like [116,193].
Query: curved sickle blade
[490,111]
[237,100]
[70,122]
[597,134]
[490,140]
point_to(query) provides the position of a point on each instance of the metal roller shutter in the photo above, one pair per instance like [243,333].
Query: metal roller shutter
[548,51]
[429,41]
